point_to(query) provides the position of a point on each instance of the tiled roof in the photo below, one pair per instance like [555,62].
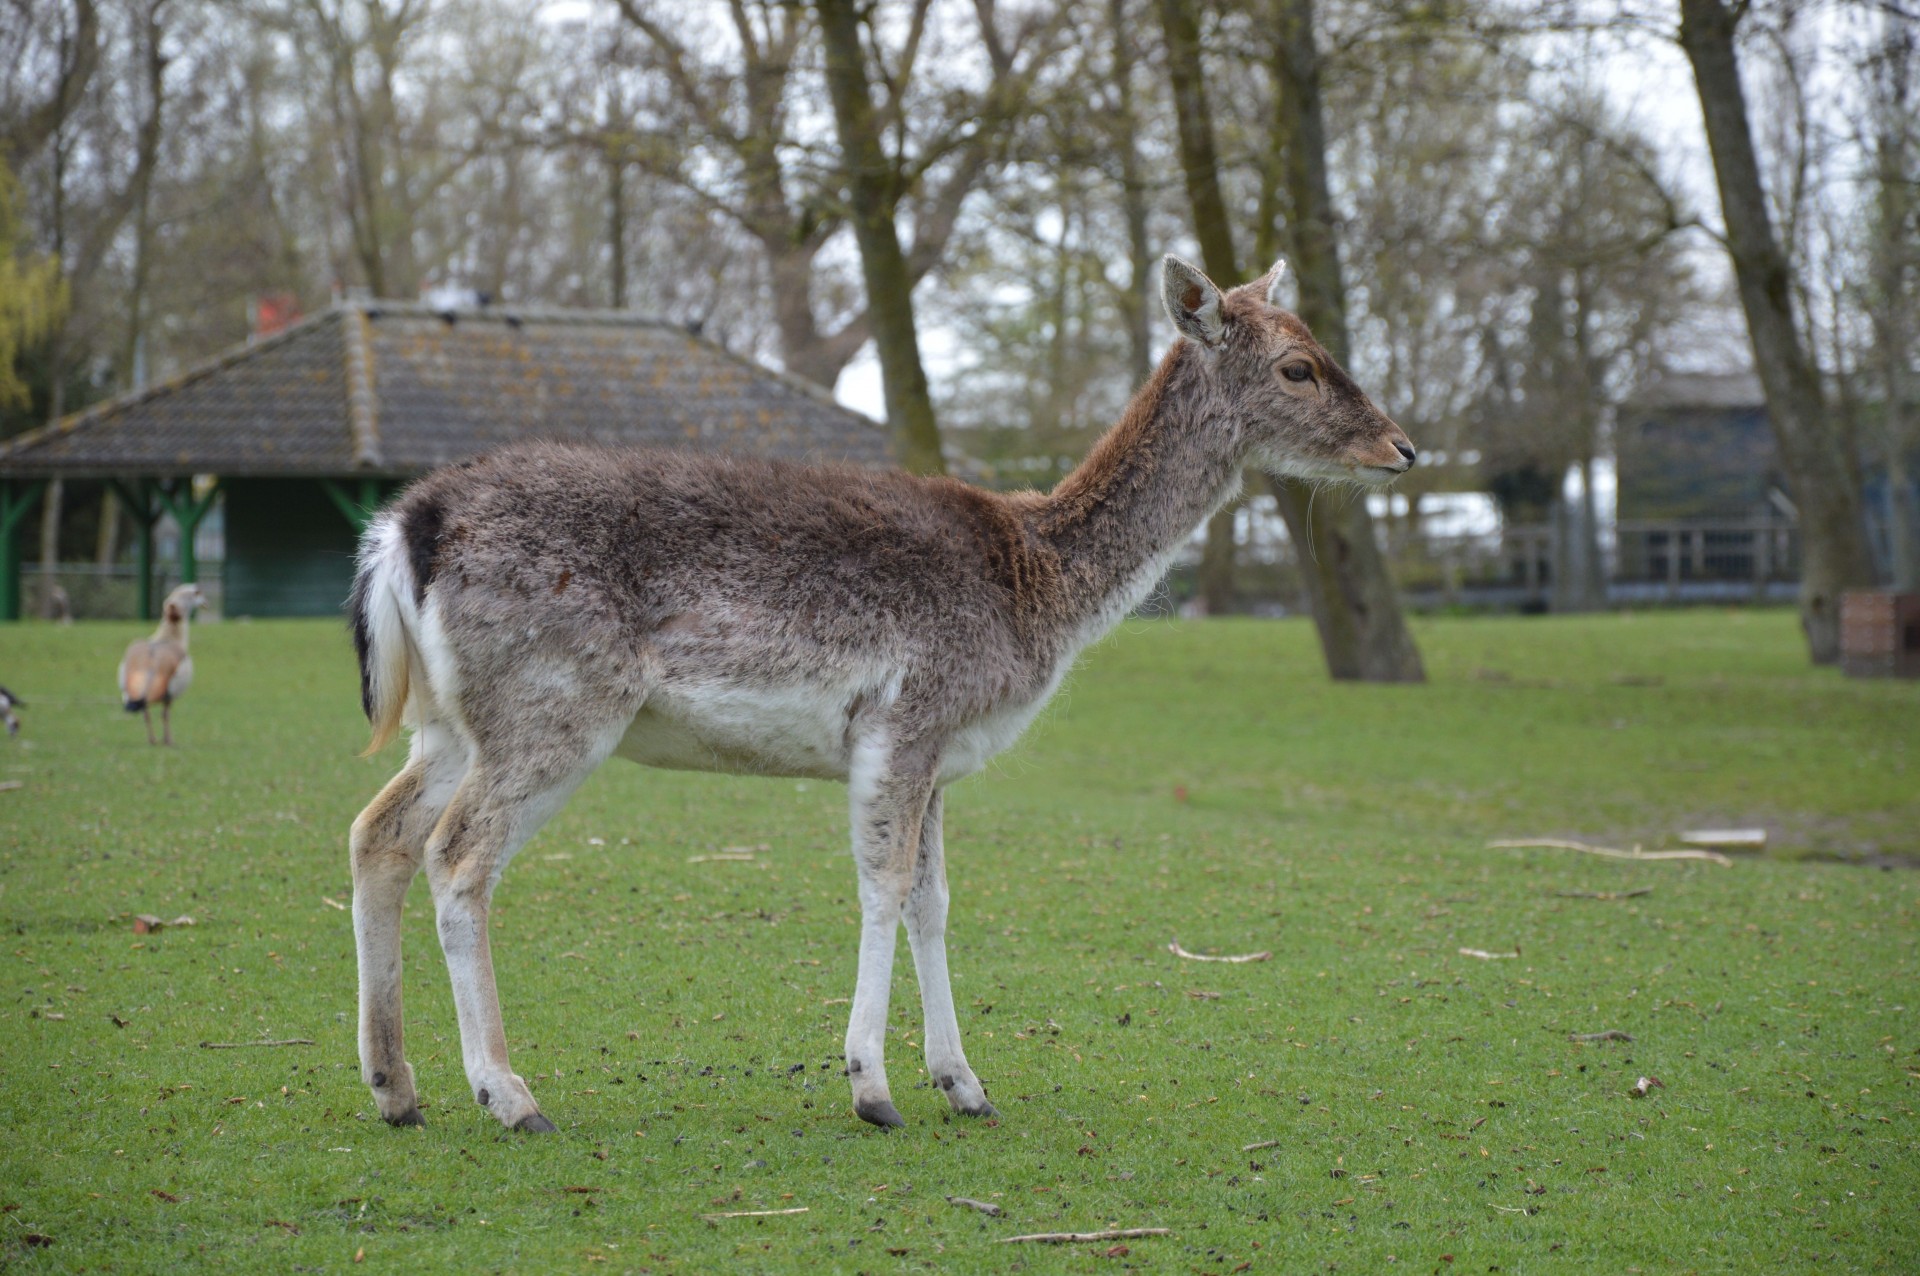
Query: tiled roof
[1708,390]
[379,388]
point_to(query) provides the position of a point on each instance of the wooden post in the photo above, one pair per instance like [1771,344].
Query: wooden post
[14,504]
[1762,557]
[358,510]
[1674,535]
[139,503]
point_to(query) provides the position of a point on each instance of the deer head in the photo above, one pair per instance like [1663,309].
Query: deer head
[1299,411]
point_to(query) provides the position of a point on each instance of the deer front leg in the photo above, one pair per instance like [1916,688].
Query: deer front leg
[926,916]
[889,802]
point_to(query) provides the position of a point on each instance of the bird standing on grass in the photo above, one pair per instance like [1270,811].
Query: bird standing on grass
[157,670]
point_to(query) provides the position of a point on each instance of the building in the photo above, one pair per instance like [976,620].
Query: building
[301,435]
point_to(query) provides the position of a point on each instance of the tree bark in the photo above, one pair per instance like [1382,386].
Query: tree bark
[1133,198]
[1217,561]
[1356,609]
[1834,552]
[873,198]
[1361,625]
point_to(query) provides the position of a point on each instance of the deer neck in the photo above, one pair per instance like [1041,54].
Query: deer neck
[1172,460]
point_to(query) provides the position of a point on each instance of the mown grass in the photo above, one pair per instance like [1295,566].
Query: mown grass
[681,1021]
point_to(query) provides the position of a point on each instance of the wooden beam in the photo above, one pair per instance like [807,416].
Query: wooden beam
[140,504]
[358,511]
[187,514]
[14,504]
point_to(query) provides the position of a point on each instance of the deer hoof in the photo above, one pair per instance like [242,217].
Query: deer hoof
[410,1117]
[534,1123]
[984,1110]
[879,1112]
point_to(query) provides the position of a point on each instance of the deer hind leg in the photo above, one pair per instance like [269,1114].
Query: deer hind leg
[889,803]
[514,786]
[387,844]
[926,917]
[146,716]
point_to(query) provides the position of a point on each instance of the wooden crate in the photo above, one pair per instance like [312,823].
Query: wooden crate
[1880,634]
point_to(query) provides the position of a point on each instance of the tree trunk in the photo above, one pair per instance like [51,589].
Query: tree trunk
[1217,561]
[1353,574]
[1133,198]
[53,507]
[1198,162]
[617,229]
[872,200]
[1593,566]
[1834,552]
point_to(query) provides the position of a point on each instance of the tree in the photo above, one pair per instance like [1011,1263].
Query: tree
[1363,634]
[1891,287]
[1834,553]
[872,198]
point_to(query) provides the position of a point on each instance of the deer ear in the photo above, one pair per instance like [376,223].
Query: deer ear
[1192,302]
[1276,277]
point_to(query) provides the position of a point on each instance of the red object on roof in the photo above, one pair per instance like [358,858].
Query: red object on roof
[275,312]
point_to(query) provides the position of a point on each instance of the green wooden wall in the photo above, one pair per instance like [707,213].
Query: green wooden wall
[289,549]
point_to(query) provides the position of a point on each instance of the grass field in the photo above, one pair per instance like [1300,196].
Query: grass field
[681,1020]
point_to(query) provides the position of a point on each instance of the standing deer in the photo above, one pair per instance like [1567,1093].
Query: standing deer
[532,612]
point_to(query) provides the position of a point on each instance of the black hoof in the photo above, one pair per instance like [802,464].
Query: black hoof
[410,1117]
[984,1110]
[534,1123]
[881,1114]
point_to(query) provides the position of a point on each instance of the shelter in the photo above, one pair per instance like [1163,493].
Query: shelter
[1697,446]
[305,433]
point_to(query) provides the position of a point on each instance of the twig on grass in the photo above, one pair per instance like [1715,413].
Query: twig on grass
[1178,951]
[7,786]
[1636,893]
[1610,1034]
[246,1045]
[1484,955]
[985,1207]
[1264,1143]
[802,1209]
[1074,1238]
[722,857]
[1558,844]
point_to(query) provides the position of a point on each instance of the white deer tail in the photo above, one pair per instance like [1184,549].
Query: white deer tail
[384,616]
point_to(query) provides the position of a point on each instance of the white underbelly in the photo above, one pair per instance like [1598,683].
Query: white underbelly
[794,731]
[805,732]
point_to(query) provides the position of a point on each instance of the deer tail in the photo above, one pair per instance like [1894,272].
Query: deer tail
[384,613]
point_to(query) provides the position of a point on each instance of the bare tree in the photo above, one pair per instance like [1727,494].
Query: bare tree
[1834,554]
[1363,634]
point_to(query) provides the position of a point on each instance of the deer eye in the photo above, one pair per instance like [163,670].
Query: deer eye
[1298,372]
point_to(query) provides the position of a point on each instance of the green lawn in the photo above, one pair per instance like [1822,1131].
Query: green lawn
[681,1020]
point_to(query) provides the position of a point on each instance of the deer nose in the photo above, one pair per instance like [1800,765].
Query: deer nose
[1406,450]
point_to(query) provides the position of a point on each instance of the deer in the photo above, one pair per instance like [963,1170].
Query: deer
[530,613]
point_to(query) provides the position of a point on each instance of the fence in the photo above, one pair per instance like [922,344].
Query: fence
[106,592]
[1642,562]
